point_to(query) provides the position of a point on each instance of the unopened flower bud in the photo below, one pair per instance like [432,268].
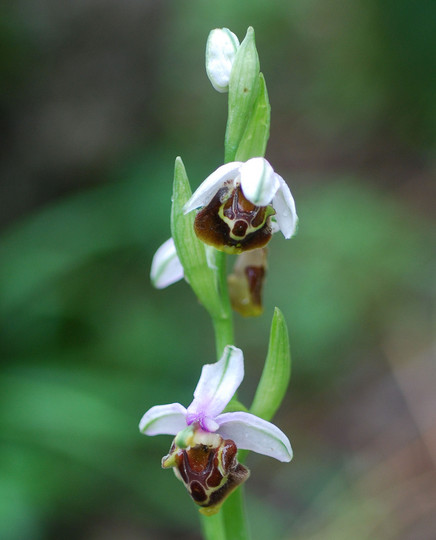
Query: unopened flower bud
[221,48]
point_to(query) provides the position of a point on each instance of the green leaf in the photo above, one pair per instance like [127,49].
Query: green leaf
[256,134]
[276,372]
[190,249]
[243,91]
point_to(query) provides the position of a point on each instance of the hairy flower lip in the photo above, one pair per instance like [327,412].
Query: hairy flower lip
[259,184]
[217,384]
[208,468]
[232,224]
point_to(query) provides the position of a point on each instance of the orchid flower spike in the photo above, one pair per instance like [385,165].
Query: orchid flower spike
[203,453]
[243,203]
[221,48]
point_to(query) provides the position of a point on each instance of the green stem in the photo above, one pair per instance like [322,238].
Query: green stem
[223,334]
[230,523]
[213,527]
[235,518]
[223,324]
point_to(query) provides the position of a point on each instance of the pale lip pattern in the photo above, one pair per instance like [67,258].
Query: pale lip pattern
[216,387]
[259,184]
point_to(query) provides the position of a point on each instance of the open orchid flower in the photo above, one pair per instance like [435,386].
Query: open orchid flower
[242,204]
[166,267]
[203,453]
[221,48]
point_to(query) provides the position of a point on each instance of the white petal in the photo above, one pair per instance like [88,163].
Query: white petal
[286,213]
[166,267]
[252,433]
[163,420]
[218,383]
[258,181]
[209,187]
[221,48]
[274,225]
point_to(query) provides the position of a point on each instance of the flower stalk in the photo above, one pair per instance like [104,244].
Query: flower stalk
[235,522]
[241,205]
[223,324]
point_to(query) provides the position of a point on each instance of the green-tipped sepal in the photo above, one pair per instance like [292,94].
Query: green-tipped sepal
[276,372]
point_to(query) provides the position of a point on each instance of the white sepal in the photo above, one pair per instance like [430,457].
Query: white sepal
[166,267]
[259,183]
[252,433]
[221,48]
[286,213]
[218,382]
[209,187]
[163,420]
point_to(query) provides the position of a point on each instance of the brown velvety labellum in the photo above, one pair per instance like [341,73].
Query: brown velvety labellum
[233,224]
[210,473]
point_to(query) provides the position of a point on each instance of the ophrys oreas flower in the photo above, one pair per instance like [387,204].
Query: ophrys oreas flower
[203,453]
[242,204]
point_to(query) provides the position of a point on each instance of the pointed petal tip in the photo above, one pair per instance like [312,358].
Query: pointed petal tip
[250,432]
[163,420]
[286,213]
[217,384]
[166,267]
[288,459]
[289,226]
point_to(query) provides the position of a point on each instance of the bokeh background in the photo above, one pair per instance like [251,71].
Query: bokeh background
[97,99]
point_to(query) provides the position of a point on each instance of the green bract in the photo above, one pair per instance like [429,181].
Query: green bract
[243,90]
[256,134]
[190,250]
[276,372]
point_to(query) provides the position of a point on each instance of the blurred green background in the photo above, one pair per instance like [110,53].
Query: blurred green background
[97,99]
